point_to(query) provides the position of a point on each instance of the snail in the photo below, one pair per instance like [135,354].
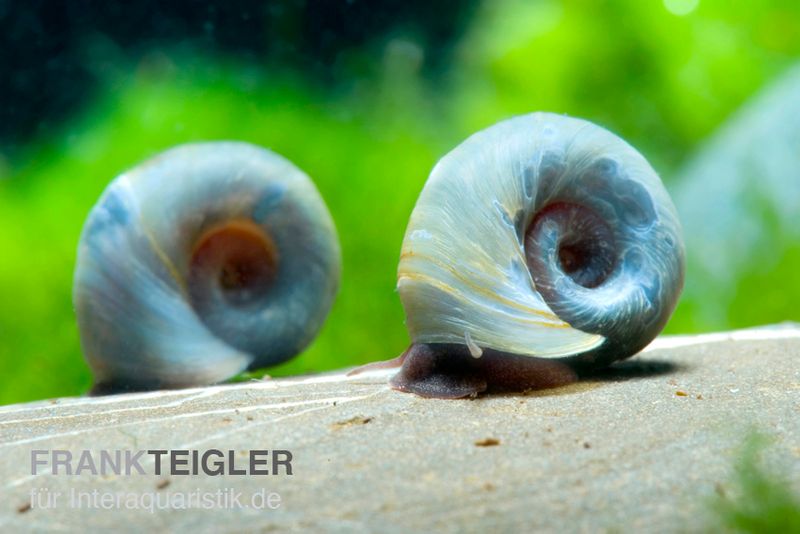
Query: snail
[540,248]
[202,262]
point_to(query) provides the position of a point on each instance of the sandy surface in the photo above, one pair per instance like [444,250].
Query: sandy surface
[645,446]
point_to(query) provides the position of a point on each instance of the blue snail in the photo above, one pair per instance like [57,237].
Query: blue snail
[540,247]
[202,262]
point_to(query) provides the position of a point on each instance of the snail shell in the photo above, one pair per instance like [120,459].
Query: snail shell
[204,261]
[541,239]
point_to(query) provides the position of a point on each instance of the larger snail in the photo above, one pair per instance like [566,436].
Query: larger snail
[208,259]
[540,247]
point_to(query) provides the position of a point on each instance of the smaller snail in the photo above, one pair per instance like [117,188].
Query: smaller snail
[539,248]
[206,260]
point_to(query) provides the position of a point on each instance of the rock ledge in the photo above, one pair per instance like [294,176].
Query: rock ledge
[642,447]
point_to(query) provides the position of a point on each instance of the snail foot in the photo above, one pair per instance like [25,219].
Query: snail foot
[450,371]
[102,389]
[439,372]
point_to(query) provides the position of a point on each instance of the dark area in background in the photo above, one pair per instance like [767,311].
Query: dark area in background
[46,72]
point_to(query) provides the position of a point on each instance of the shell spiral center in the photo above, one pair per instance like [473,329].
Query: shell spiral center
[575,240]
[236,260]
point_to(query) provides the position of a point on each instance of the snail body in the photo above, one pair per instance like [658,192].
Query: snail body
[538,248]
[204,261]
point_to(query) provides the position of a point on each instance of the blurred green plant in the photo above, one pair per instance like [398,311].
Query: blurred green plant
[661,81]
[760,502]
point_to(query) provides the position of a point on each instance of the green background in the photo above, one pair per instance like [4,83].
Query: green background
[663,81]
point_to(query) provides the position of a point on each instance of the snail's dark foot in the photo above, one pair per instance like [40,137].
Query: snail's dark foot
[113,388]
[449,371]
[99,390]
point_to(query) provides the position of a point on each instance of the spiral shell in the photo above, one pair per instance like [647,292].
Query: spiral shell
[543,236]
[206,260]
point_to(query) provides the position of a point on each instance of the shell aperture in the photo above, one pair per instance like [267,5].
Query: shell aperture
[543,236]
[206,260]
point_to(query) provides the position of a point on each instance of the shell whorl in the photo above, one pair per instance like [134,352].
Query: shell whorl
[203,261]
[545,236]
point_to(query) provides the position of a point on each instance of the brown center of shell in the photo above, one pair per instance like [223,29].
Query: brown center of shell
[239,257]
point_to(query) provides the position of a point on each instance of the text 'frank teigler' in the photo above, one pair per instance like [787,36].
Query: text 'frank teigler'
[177,462]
